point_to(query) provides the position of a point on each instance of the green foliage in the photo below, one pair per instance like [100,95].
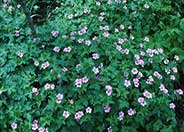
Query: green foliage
[90,65]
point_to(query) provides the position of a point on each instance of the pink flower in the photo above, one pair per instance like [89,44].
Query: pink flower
[129,27]
[176,58]
[80,40]
[118,47]
[5,1]
[34,126]
[166,61]
[127,83]
[109,129]
[17,33]
[131,112]
[172,106]
[108,90]
[41,129]
[55,33]
[47,86]
[67,49]
[52,86]
[85,79]
[147,94]
[66,114]
[179,91]
[88,110]
[121,115]
[172,77]
[142,53]
[150,80]
[82,31]
[35,122]
[78,115]
[88,42]
[14,126]
[142,101]
[45,65]
[56,49]
[107,109]
[136,80]
[95,70]
[95,56]
[157,74]
[106,34]
[35,91]
[175,70]
[78,82]
[64,69]
[134,71]
[139,62]
[163,89]
[59,96]
[160,50]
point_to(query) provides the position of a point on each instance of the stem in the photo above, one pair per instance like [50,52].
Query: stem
[27,12]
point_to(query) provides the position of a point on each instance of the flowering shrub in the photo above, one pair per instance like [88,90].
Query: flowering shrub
[107,65]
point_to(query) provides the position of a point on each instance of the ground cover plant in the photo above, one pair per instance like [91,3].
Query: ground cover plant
[91,66]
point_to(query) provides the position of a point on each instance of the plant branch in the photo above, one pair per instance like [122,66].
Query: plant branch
[27,12]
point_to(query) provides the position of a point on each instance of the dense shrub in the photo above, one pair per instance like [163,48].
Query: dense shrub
[90,65]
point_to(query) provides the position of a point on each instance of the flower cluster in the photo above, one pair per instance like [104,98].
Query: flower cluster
[80,81]
[45,65]
[49,86]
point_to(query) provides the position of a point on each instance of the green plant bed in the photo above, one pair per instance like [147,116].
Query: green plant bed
[91,66]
